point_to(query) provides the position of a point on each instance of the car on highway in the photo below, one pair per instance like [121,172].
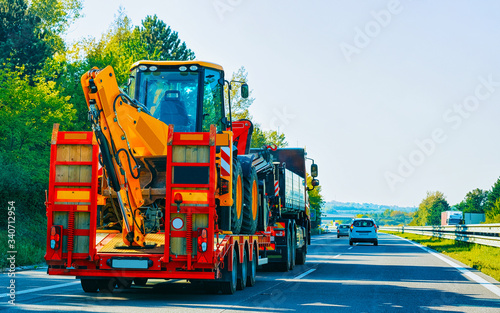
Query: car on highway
[363,230]
[343,230]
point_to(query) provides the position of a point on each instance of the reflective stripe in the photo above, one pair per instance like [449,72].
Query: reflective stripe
[225,161]
[276,189]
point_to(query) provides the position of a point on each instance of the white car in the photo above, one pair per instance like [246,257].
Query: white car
[363,230]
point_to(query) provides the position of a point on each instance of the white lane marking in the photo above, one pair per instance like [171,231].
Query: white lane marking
[305,273]
[337,256]
[462,270]
[41,289]
[350,248]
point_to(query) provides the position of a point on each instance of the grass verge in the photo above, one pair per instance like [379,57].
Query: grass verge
[483,258]
[29,242]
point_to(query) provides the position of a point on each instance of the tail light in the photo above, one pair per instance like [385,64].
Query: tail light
[375,226]
[280,233]
[55,237]
[224,187]
[352,226]
[202,240]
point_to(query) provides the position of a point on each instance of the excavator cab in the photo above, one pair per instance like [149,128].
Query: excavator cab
[187,95]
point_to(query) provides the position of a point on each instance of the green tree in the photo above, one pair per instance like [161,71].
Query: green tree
[122,45]
[493,213]
[55,17]
[21,38]
[316,202]
[429,210]
[261,138]
[475,201]
[492,208]
[28,110]
[239,105]
[161,42]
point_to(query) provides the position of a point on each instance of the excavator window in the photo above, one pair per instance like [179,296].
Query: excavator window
[190,98]
[213,111]
[171,96]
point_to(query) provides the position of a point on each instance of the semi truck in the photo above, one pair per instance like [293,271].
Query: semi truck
[451,218]
[165,186]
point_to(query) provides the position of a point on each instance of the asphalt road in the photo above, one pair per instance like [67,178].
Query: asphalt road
[396,276]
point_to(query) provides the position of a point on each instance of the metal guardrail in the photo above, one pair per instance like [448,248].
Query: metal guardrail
[483,234]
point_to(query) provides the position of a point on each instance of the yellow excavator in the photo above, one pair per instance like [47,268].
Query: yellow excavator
[132,130]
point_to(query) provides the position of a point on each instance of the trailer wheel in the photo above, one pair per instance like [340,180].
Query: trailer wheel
[251,201]
[286,264]
[237,207]
[293,244]
[301,256]
[123,283]
[106,285]
[230,278]
[89,285]
[242,272]
[252,268]
[138,281]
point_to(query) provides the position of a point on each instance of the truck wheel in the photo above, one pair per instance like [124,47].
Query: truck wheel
[89,285]
[251,204]
[293,244]
[301,256]
[242,272]
[106,285]
[252,268]
[285,265]
[123,283]
[138,281]
[230,278]
[237,207]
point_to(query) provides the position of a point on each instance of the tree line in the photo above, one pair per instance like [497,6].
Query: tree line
[475,201]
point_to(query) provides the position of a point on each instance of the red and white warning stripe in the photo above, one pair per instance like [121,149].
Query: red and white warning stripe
[276,188]
[225,161]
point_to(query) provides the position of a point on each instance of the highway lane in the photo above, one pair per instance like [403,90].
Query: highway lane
[395,276]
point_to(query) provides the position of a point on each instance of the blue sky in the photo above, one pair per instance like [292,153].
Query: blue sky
[391,98]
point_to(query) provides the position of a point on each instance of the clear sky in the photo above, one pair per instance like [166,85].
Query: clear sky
[391,98]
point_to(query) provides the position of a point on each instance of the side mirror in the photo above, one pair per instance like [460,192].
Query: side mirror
[244,91]
[314,182]
[314,170]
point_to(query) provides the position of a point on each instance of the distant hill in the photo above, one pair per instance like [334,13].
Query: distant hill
[333,207]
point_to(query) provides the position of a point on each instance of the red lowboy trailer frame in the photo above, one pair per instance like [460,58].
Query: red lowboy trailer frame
[75,245]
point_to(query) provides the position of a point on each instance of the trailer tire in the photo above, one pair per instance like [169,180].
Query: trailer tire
[139,281]
[237,207]
[242,272]
[123,283]
[252,268]
[293,245]
[230,278]
[106,285]
[285,265]
[301,256]
[89,285]
[251,203]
